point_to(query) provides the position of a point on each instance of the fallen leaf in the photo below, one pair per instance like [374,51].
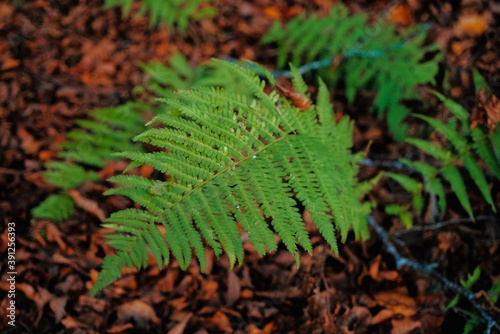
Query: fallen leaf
[298,100]
[473,24]
[120,328]
[208,289]
[221,321]
[58,305]
[70,322]
[138,310]
[273,13]
[401,14]
[181,326]
[10,64]
[233,288]
[28,142]
[491,105]
[87,204]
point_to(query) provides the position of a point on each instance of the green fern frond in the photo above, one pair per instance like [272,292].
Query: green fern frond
[55,207]
[67,175]
[229,161]
[172,13]
[464,142]
[110,131]
[390,63]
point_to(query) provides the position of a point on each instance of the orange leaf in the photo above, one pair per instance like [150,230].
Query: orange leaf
[273,13]
[401,14]
[473,25]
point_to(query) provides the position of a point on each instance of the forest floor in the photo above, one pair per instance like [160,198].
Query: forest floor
[61,59]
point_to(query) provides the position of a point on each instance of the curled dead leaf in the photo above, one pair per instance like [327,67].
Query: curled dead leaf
[141,312]
[491,105]
[298,100]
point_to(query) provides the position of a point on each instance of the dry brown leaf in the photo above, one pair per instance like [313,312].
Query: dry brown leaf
[208,289]
[98,305]
[10,64]
[87,204]
[397,302]
[382,316]
[473,24]
[491,105]
[53,234]
[298,100]
[270,328]
[233,288]
[142,313]
[70,322]
[120,328]
[179,303]
[221,321]
[58,305]
[404,326]
[402,15]
[181,326]
[28,142]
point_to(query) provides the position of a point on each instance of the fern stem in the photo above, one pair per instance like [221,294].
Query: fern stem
[429,269]
[383,163]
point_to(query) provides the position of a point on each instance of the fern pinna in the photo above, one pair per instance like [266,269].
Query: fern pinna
[228,162]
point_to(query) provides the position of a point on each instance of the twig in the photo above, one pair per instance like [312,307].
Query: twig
[440,225]
[384,164]
[429,269]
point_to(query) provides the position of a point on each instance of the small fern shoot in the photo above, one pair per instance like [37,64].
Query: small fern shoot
[230,161]
[55,207]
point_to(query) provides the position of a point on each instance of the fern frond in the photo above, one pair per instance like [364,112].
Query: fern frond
[66,175]
[54,207]
[389,62]
[110,131]
[172,13]
[228,160]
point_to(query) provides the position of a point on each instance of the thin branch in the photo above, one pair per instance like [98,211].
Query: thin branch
[429,269]
[384,164]
[440,225]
